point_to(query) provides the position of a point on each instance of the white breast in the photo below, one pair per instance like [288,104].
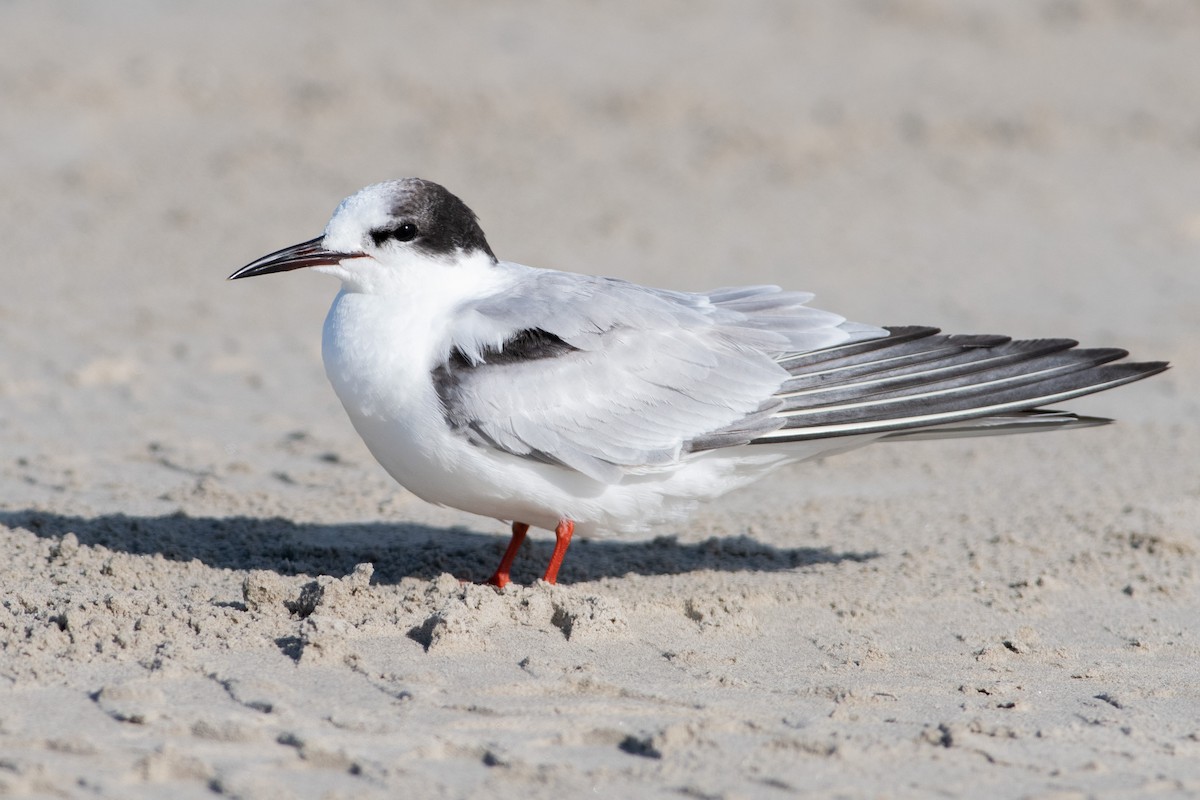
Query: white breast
[380,349]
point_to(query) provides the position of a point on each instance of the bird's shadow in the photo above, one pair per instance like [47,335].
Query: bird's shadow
[403,549]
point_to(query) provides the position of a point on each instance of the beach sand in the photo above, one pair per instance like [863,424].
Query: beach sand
[209,587]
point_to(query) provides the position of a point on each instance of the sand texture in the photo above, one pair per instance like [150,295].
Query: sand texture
[208,587]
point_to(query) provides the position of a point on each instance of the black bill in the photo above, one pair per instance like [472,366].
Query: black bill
[305,254]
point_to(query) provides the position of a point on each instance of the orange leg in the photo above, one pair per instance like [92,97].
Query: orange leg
[562,540]
[500,579]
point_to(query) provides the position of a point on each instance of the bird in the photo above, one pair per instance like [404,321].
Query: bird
[597,406]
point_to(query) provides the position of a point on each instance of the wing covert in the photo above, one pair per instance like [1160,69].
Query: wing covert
[608,378]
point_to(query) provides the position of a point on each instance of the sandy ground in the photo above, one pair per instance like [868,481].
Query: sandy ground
[208,587]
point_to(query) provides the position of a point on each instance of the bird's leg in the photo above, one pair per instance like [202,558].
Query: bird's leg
[562,540]
[500,578]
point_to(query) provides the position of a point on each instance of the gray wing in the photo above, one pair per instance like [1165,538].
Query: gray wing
[606,377]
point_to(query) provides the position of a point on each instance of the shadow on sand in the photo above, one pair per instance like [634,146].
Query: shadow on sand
[400,550]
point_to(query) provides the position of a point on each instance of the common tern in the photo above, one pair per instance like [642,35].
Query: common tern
[595,405]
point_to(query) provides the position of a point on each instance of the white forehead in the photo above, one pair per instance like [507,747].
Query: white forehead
[365,210]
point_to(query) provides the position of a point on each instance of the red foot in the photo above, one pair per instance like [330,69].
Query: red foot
[500,578]
[562,540]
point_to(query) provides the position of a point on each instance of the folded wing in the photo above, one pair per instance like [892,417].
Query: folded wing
[606,377]
[609,378]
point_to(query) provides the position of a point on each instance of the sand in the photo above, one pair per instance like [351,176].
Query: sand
[209,587]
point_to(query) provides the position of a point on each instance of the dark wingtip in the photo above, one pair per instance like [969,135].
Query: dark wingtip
[1084,421]
[911,331]
[1141,369]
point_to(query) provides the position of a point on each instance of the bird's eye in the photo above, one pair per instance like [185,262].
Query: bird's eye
[404,232]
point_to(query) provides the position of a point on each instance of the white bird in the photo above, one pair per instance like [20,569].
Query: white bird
[595,405]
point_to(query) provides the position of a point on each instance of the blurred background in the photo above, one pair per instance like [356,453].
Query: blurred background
[1030,168]
[1005,617]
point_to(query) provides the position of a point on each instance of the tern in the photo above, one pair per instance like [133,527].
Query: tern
[593,405]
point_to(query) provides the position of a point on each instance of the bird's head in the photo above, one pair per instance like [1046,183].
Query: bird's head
[383,230]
